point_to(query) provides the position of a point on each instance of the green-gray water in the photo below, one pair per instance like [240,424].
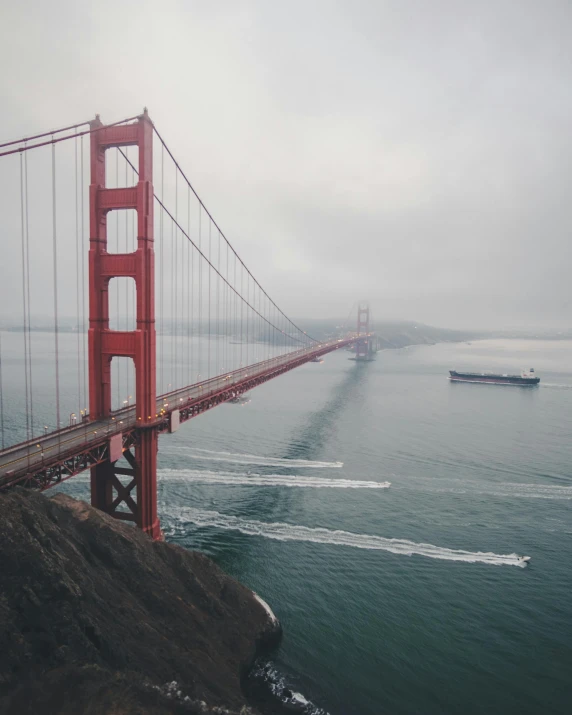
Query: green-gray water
[443,619]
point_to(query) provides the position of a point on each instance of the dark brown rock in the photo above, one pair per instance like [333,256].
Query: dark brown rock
[91,605]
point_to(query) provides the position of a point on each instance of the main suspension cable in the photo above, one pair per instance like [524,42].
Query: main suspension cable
[237,257]
[44,134]
[223,235]
[91,130]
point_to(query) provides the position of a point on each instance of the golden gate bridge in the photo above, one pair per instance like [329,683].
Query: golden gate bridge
[158,264]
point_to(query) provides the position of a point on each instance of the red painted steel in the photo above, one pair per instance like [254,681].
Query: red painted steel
[49,459]
[107,491]
[132,433]
[362,352]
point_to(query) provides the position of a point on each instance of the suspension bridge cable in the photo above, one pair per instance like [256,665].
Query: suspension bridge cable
[241,315]
[44,134]
[30,381]
[237,257]
[63,139]
[200,290]
[209,303]
[218,367]
[116,283]
[222,233]
[1,395]
[129,319]
[83,338]
[235,328]
[189,285]
[161,254]
[226,312]
[173,303]
[55,258]
[191,293]
[175,283]
[247,321]
[77,279]
[24,294]
[347,320]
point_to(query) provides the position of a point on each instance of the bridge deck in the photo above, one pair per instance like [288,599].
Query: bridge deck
[51,458]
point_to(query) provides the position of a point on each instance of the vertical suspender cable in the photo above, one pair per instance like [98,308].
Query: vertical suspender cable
[227,316]
[235,324]
[173,331]
[1,395]
[200,296]
[116,283]
[77,282]
[241,312]
[24,295]
[128,321]
[55,257]
[83,263]
[189,289]
[218,365]
[191,326]
[133,283]
[209,303]
[175,264]
[162,261]
[30,383]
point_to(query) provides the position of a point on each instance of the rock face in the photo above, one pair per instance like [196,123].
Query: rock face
[95,617]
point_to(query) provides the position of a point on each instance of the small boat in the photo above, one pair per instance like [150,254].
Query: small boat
[316,359]
[239,400]
[526,377]
[525,559]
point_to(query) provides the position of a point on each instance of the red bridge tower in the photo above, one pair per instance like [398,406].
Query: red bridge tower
[362,344]
[107,491]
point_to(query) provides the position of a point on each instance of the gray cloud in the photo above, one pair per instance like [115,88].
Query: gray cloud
[414,153]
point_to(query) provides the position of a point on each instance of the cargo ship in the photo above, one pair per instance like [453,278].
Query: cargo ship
[526,378]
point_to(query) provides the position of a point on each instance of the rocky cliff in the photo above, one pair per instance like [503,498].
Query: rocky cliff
[97,618]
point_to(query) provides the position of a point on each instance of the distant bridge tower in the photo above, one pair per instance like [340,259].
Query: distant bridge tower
[108,492]
[362,345]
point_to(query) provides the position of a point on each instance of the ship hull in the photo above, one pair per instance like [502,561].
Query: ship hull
[490,379]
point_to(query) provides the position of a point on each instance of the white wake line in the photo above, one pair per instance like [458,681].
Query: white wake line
[291,532]
[555,385]
[240,458]
[502,489]
[265,480]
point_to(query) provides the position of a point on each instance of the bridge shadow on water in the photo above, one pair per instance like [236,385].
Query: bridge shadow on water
[319,425]
[232,549]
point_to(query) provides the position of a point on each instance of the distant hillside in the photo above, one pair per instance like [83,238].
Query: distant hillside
[398,335]
[393,334]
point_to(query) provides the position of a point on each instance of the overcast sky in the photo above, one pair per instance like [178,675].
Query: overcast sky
[416,154]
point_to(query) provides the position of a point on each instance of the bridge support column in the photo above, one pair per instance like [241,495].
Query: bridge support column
[108,491]
[146,459]
[362,347]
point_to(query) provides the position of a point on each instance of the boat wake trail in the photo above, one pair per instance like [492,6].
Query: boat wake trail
[291,532]
[265,480]
[555,386]
[500,489]
[240,458]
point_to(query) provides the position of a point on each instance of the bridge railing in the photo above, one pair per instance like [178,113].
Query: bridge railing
[33,455]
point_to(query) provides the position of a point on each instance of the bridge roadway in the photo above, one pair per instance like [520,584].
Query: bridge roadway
[51,458]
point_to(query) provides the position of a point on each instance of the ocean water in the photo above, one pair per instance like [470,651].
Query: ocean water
[381,511]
